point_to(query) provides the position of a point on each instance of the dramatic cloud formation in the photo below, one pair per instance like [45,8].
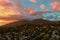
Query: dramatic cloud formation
[55,6]
[7,10]
[42,6]
[34,1]
[24,11]
[27,9]
[3,0]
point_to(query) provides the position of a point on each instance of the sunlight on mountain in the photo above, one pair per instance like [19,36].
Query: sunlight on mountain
[4,22]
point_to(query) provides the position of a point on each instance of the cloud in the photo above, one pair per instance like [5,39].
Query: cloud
[34,1]
[29,10]
[9,11]
[57,9]
[55,5]
[42,6]
[3,0]
[40,12]
[13,17]
[27,13]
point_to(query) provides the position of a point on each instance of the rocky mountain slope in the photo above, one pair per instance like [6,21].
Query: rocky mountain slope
[31,30]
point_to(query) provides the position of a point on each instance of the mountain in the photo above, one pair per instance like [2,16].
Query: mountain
[31,30]
[36,21]
[17,23]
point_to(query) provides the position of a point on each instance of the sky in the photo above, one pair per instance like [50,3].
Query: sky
[41,4]
[28,9]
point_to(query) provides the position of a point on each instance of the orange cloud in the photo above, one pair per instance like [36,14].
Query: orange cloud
[42,6]
[29,10]
[34,1]
[58,8]
[55,6]
[8,9]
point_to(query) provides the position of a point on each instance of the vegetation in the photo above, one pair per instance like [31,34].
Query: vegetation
[30,31]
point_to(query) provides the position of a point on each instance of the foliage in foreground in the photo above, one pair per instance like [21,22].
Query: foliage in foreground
[30,32]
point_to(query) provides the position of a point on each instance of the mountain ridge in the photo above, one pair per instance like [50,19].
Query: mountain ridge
[36,21]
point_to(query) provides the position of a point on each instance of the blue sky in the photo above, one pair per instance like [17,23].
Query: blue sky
[29,4]
[47,4]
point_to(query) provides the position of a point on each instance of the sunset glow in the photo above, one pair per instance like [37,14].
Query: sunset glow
[4,22]
[12,10]
[7,11]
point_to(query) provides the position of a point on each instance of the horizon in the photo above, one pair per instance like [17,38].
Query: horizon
[12,10]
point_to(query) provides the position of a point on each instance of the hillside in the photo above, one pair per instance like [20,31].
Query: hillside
[38,29]
[37,21]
